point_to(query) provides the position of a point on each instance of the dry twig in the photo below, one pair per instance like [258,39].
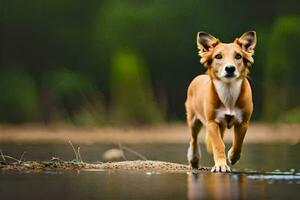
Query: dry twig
[76,154]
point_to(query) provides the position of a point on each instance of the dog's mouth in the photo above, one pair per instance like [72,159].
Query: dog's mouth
[230,75]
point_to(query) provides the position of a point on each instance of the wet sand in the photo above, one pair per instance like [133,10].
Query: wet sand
[133,165]
[166,133]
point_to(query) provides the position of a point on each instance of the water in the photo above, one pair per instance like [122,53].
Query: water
[71,184]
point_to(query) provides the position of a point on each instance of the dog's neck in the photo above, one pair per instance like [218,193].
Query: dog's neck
[228,93]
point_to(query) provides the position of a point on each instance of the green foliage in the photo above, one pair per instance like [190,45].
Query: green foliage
[65,48]
[281,70]
[68,82]
[19,98]
[163,33]
[91,114]
[132,95]
[75,97]
[291,116]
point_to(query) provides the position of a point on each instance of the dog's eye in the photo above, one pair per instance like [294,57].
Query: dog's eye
[238,56]
[218,56]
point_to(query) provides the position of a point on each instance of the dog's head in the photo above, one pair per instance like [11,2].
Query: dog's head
[226,61]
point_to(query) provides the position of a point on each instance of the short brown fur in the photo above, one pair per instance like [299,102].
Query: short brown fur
[221,98]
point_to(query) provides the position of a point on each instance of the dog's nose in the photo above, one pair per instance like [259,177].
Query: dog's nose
[230,69]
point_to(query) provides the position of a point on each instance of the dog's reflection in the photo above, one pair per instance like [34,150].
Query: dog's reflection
[207,185]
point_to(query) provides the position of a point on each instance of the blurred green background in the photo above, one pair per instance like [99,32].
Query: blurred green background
[100,62]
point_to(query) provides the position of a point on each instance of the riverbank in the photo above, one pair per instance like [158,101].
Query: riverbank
[166,133]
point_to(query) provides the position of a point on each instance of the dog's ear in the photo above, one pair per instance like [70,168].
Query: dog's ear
[248,41]
[205,41]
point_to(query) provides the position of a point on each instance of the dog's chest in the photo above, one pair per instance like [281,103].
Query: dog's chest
[228,94]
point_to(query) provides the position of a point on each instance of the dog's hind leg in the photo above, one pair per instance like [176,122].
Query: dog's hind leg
[194,153]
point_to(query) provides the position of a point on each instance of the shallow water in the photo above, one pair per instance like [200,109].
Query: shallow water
[261,157]
[280,159]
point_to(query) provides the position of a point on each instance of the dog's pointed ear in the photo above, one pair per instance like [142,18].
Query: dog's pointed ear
[205,41]
[248,41]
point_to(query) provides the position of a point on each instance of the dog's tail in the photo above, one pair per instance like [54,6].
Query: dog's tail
[208,144]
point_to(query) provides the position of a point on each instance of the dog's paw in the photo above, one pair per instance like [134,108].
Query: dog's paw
[220,168]
[193,157]
[233,156]
[194,163]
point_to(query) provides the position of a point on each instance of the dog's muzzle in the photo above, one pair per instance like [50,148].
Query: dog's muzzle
[230,69]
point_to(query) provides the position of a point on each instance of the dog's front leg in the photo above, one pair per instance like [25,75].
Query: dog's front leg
[234,153]
[214,134]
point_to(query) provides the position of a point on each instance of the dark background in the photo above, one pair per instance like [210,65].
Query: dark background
[99,62]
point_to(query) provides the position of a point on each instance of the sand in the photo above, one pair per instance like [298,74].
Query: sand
[166,133]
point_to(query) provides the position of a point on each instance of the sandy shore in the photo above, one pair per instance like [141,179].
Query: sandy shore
[167,133]
[133,165]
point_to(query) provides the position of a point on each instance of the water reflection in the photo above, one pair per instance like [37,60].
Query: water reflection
[89,184]
[216,186]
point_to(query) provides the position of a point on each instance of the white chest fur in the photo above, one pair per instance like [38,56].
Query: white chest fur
[228,94]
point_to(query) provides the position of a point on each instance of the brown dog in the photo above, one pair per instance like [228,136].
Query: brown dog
[221,98]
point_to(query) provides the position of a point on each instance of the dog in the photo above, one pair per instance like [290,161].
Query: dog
[221,98]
